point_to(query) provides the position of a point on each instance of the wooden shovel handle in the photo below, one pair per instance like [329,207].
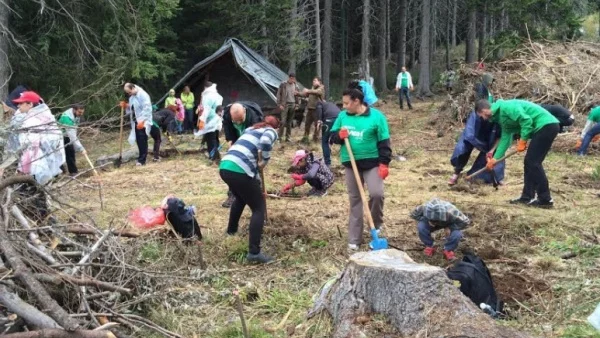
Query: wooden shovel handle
[363,197]
[484,168]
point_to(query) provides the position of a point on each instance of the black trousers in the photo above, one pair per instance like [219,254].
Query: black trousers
[70,154]
[247,191]
[461,161]
[155,134]
[141,139]
[212,144]
[535,176]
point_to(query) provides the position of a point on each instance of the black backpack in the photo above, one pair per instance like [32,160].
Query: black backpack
[475,281]
[182,219]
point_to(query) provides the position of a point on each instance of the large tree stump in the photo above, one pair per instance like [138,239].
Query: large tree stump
[418,299]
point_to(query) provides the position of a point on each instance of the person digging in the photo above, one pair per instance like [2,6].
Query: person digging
[590,133]
[533,123]
[366,128]
[436,215]
[308,169]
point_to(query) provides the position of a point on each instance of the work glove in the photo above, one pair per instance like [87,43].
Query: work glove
[578,144]
[297,177]
[491,162]
[521,146]
[596,138]
[200,125]
[343,134]
[287,188]
[140,125]
[123,104]
[299,182]
[384,171]
[489,155]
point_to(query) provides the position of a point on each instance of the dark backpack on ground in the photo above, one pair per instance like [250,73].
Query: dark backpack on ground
[182,219]
[476,281]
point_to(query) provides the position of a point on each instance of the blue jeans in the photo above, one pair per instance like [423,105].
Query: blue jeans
[425,235]
[325,134]
[406,93]
[188,122]
[587,139]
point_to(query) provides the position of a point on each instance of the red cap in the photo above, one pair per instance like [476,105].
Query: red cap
[28,96]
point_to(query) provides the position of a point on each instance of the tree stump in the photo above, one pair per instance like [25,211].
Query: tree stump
[418,300]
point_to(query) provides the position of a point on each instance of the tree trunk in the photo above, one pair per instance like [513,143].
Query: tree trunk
[4,65]
[318,38]
[293,36]
[402,37]
[471,34]
[388,29]
[422,303]
[327,50]
[32,316]
[381,64]
[365,46]
[448,4]
[344,44]
[265,46]
[424,51]
[482,29]
[432,36]
[413,49]
[454,12]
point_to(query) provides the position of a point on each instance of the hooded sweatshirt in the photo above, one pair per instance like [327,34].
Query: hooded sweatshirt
[69,124]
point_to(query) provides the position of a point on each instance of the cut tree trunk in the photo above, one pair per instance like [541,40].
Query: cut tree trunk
[327,48]
[381,64]
[57,333]
[418,300]
[318,38]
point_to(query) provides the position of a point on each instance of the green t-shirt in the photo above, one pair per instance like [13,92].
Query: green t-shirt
[404,82]
[231,166]
[365,132]
[240,127]
[518,116]
[594,115]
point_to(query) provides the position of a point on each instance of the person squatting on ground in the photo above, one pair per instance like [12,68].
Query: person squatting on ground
[367,130]
[481,135]
[591,132]
[315,95]
[69,120]
[209,122]
[238,117]
[435,215]
[164,120]
[326,112]
[239,170]
[139,109]
[311,170]
[404,85]
[287,102]
[531,122]
[188,100]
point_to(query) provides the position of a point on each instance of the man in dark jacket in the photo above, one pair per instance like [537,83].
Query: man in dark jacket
[564,116]
[326,113]
[237,117]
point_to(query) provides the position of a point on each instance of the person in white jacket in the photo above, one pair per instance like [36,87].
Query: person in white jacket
[140,111]
[209,122]
[404,85]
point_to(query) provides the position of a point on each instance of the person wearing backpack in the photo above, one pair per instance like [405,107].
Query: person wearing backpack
[564,116]
[435,215]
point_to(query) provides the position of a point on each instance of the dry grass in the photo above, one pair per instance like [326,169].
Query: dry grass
[544,294]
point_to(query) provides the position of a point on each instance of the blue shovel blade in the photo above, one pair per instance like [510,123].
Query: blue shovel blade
[376,242]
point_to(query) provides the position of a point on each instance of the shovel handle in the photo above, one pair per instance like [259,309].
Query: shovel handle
[363,197]
[484,168]
[91,164]
[262,181]
[121,133]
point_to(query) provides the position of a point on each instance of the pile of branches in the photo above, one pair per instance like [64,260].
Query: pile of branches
[61,276]
[554,73]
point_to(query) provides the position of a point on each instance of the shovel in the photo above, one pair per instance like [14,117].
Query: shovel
[484,168]
[119,160]
[99,181]
[376,242]
[262,180]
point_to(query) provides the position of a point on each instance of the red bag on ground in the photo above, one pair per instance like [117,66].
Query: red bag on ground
[146,217]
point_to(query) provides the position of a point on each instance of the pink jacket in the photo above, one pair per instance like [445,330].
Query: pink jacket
[180,116]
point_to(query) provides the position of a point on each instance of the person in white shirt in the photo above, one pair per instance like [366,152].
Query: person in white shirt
[404,85]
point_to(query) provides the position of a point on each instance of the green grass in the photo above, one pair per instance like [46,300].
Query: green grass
[150,252]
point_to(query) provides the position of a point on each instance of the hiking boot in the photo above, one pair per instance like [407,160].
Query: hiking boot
[260,258]
[520,200]
[454,179]
[450,256]
[156,159]
[316,193]
[429,251]
[228,202]
[541,204]
[352,248]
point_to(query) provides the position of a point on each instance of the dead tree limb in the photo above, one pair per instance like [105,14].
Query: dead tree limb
[17,180]
[95,247]
[57,333]
[77,230]
[32,316]
[86,281]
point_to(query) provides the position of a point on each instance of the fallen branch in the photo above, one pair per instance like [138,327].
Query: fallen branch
[32,316]
[57,333]
[85,281]
[95,247]
[84,231]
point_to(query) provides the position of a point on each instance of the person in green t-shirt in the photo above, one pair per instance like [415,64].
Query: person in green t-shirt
[591,131]
[531,122]
[367,130]
[68,121]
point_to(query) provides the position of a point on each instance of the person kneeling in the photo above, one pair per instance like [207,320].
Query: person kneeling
[435,215]
[311,170]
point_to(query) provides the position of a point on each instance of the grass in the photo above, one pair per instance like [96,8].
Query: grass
[547,296]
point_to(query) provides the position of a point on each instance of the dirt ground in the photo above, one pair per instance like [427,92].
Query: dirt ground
[544,294]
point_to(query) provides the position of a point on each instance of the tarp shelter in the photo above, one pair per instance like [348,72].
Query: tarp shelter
[240,74]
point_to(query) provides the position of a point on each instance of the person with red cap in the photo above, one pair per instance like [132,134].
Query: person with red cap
[307,168]
[36,138]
